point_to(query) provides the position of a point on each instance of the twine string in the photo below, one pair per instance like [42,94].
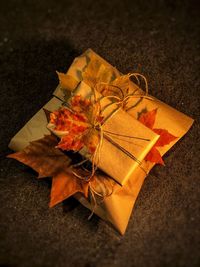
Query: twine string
[120,100]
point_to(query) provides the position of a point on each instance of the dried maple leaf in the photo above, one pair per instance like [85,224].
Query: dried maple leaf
[48,161]
[96,72]
[65,185]
[104,79]
[148,119]
[119,87]
[75,126]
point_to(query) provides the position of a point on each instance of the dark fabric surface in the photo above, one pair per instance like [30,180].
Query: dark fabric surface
[157,38]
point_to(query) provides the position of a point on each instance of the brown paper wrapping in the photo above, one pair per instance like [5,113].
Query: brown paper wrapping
[112,160]
[117,207]
[35,128]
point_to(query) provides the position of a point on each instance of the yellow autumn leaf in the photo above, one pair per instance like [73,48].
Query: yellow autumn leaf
[96,72]
[67,82]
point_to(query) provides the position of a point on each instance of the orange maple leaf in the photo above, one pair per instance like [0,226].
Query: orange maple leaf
[48,161]
[148,119]
[75,126]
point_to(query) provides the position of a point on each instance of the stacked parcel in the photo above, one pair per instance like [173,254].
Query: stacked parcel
[99,137]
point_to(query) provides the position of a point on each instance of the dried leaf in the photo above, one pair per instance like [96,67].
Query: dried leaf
[148,119]
[154,156]
[96,72]
[43,157]
[91,140]
[75,126]
[48,161]
[65,185]
[165,137]
[67,82]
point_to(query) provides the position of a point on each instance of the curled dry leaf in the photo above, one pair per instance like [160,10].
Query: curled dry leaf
[48,161]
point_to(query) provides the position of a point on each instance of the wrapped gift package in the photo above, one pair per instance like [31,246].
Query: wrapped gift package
[121,123]
[117,154]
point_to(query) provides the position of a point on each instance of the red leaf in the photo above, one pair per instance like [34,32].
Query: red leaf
[148,118]
[154,156]
[165,137]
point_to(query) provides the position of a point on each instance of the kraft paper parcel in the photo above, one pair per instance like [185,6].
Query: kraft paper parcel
[117,207]
[121,123]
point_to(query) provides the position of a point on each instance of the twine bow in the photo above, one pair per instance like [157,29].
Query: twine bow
[120,98]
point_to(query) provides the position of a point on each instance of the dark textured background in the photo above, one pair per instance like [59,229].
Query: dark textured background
[161,40]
